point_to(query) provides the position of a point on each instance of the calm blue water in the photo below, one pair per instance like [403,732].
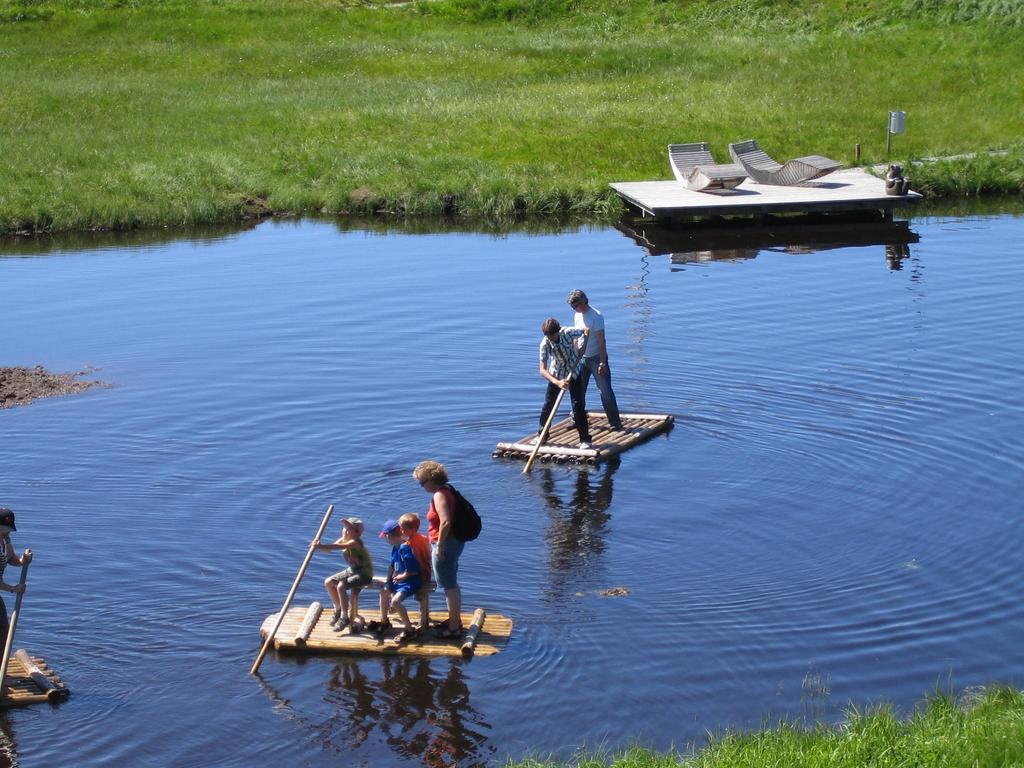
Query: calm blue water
[834,519]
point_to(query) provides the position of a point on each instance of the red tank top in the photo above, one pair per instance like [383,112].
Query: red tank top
[433,519]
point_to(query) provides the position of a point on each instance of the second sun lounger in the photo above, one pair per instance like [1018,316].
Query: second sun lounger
[695,168]
[764,170]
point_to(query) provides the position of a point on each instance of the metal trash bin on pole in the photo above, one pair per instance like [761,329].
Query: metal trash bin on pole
[897,124]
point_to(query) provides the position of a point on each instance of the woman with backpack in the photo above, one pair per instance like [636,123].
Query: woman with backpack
[447,548]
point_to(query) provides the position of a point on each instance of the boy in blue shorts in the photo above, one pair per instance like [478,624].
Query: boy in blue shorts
[403,581]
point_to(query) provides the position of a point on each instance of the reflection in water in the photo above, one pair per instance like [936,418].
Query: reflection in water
[66,242]
[640,311]
[721,240]
[815,690]
[577,499]
[74,242]
[8,750]
[895,254]
[415,711]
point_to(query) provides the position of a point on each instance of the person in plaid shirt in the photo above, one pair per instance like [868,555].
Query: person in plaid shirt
[559,363]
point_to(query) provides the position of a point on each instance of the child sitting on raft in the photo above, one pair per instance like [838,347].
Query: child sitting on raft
[403,580]
[410,525]
[358,574]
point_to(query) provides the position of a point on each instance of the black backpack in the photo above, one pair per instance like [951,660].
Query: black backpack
[466,525]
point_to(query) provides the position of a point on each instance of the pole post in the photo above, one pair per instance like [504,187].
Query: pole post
[291,592]
[13,623]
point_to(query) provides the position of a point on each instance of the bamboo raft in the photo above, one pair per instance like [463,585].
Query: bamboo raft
[30,681]
[308,630]
[562,443]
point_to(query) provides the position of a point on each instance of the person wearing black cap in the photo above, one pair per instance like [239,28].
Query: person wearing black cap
[8,555]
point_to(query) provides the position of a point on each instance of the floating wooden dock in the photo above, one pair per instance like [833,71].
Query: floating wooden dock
[308,630]
[563,440]
[852,189]
[30,681]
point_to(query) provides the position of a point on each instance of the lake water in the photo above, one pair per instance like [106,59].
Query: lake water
[835,517]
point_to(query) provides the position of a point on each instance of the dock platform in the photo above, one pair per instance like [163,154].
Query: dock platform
[563,441]
[30,681]
[308,630]
[852,189]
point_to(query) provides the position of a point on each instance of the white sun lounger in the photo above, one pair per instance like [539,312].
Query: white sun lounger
[764,170]
[696,169]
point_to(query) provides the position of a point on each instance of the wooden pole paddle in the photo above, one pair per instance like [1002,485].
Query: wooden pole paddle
[291,592]
[13,622]
[542,436]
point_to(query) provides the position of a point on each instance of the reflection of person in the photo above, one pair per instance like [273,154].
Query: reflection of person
[433,478]
[8,555]
[595,356]
[403,581]
[559,364]
[578,518]
[418,707]
[358,574]
[410,524]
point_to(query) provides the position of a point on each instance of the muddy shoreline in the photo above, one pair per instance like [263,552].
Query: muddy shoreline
[21,386]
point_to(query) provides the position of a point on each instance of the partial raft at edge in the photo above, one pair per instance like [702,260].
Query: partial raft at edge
[30,681]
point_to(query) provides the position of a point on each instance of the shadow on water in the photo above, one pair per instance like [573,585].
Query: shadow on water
[577,500]
[736,240]
[418,707]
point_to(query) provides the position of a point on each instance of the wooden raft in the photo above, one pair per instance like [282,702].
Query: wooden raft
[30,681]
[563,440]
[308,630]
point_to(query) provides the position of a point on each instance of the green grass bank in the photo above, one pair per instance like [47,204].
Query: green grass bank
[120,114]
[985,732]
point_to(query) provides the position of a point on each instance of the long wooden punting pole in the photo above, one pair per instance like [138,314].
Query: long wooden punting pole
[291,592]
[13,622]
[544,432]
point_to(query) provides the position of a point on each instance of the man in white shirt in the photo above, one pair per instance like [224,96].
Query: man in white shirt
[595,355]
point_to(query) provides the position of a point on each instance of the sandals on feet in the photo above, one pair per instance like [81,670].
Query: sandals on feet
[407,634]
[447,633]
[342,623]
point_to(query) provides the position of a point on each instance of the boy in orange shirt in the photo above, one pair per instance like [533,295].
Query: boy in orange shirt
[420,544]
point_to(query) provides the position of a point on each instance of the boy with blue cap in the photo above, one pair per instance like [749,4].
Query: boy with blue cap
[403,580]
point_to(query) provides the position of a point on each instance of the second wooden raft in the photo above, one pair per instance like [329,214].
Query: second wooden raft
[563,441]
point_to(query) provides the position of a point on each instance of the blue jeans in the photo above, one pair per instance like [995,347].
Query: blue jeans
[604,384]
[446,571]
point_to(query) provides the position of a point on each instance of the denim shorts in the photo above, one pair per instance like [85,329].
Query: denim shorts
[446,571]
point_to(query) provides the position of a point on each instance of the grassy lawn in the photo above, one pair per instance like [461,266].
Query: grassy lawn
[148,113]
[987,733]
